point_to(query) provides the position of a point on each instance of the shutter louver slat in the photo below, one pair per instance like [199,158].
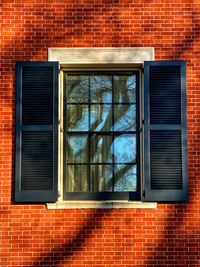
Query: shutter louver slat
[165,100]
[36,132]
[37,104]
[37,152]
[165,131]
[165,154]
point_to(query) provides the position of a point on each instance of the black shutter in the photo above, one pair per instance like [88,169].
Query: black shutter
[36,164]
[165,131]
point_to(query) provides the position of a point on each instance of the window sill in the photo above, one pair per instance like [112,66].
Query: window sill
[101,205]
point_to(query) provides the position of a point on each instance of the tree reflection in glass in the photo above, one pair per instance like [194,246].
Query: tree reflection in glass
[77,88]
[101,88]
[101,117]
[77,149]
[124,117]
[101,149]
[77,178]
[77,155]
[77,118]
[124,89]
[101,178]
[125,178]
[100,126]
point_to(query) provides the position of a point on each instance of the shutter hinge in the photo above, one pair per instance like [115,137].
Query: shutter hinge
[142,121]
[143,193]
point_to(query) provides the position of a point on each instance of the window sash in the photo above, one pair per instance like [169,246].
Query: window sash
[134,195]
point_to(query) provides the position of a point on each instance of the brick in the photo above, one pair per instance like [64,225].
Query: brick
[31,235]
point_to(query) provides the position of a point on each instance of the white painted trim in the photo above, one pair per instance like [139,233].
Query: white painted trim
[110,57]
[127,55]
[102,205]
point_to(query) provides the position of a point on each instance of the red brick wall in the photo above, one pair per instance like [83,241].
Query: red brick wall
[31,235]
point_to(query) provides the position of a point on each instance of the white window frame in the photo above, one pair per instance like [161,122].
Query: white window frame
[99,59]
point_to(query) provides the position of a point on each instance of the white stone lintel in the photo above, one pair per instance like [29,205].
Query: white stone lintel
[125,55]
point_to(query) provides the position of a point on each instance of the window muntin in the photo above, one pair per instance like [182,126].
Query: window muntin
[101,135]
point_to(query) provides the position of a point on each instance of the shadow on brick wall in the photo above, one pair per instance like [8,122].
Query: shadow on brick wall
[37,27]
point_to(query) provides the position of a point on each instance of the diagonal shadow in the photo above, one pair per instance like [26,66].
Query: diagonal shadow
[62,253]
[180,243]
[173,230]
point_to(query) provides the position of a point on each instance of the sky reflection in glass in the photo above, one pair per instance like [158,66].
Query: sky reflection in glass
[124,147]
[98,108]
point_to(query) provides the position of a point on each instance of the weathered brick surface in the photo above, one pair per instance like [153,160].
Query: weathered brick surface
[31,235]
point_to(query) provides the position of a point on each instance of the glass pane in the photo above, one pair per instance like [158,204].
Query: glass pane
[77,118]
[101,148]
[125,88]
[77,149]
[101,117]
[101,178]
[125,148]
[101,88]
[125,178]
[77,178]
[77,88]
[125,117]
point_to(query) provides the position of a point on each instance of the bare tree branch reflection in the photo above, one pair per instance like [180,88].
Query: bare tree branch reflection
[112,108]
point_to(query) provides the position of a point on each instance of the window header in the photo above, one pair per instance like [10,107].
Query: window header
[127,55]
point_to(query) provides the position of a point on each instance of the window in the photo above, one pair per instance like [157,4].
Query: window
[158,162]
[101,135]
